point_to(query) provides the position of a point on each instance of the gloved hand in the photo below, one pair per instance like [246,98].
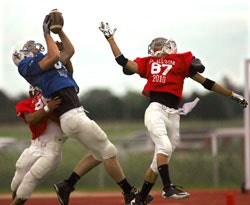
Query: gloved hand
[46,24]
[108,33]
[239,99]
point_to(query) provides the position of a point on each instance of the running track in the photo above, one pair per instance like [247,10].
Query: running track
[198,197]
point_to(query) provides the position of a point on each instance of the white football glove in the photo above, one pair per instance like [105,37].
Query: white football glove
[108,33]
[239,99]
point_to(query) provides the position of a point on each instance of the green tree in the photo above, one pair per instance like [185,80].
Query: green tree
[134,105]
[102,104]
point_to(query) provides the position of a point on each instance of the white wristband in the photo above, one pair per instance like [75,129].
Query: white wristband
[46,108]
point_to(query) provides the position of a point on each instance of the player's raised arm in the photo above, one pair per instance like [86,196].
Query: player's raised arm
[53,53]
[69,65]
[129,66]
[68,49]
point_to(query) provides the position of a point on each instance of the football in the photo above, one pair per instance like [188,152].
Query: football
[56,21]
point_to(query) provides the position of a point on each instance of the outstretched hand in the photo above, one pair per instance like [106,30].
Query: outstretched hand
[107,31]
[46,24]
[239,99]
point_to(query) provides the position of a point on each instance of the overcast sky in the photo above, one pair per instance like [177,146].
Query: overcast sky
[216,31]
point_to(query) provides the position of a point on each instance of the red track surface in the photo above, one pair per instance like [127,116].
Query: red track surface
[198,197]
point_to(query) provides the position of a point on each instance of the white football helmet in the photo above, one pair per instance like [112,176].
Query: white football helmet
[24,50]
[160,46]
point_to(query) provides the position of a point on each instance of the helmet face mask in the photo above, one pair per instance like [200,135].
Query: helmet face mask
[31,45]
[28,49]
[160,46]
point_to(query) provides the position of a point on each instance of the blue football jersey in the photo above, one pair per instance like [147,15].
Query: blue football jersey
[48,81]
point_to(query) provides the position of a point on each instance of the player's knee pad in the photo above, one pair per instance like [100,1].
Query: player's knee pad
[100,145]
[163,146]
[16,181]
[20,172]
[107,151]
[27,186]
[165,151]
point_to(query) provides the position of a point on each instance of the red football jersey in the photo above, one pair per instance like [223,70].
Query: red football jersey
[165,74]
[31,105]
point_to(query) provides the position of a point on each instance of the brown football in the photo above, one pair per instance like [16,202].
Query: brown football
[56,21]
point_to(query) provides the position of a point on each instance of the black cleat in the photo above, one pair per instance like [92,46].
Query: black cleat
[63,191]
[173,192]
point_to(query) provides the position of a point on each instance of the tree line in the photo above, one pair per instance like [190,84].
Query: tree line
[101,104]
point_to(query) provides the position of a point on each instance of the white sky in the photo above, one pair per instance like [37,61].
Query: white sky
[216,31]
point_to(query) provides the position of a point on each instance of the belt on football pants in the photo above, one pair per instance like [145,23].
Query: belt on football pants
[53,144]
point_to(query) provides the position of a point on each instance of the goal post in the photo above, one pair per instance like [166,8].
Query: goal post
[247,128]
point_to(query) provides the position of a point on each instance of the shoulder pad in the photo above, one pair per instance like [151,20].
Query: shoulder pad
[197,65]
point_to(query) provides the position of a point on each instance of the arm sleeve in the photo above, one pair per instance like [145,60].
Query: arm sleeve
[23,106]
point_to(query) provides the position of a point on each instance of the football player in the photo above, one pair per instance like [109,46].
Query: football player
[165,71]
[44,154]
[49,73]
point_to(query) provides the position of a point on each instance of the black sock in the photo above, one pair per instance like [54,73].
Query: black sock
[72,180]
[146,188]
[164,173]
[125,186]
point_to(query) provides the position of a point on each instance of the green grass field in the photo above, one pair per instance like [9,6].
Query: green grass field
[191,168]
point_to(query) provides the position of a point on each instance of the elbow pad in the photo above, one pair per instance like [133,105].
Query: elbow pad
[197,66]
[127,71]
[208,84]
[121,60]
